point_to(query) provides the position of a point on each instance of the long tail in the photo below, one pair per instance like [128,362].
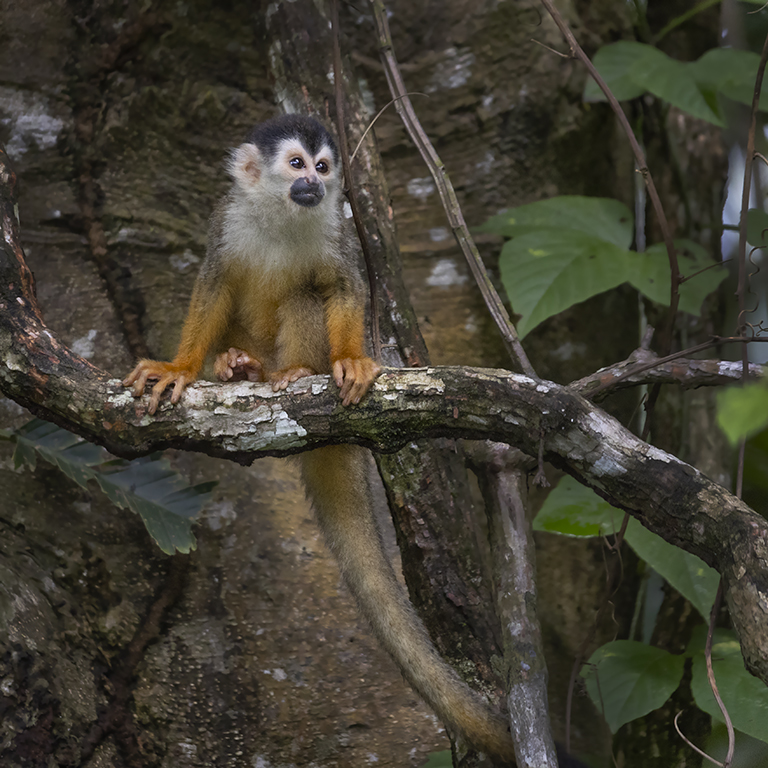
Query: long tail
[336,479]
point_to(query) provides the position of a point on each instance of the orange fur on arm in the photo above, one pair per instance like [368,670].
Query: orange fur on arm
[209,313]
[346,321]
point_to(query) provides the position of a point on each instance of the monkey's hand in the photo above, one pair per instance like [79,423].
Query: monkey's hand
[237,365]
[281,379]
[165,373]
[354,376]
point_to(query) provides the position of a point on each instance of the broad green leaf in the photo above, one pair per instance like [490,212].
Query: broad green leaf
[651,276]
[572,509]
[601,217]
[749,752]
[745,697]
[674,82]
[757,227]
[742,411]
[732,72]
[631,68]
[626,680]
[548,271]
[688,574]
[615,63]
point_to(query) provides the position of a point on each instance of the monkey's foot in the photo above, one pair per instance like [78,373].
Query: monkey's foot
[165,373]
[281,379]
[237,365]
[354,376]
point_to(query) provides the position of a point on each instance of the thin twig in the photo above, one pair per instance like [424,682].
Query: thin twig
[714,265]
[711,675]
[613,579]
[642,167]
[741,292]
[691,744]
[378,115]
[338,78]
[683,17]
[447,194]
[715,341]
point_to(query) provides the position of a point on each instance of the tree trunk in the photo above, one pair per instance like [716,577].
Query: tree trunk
[248,652]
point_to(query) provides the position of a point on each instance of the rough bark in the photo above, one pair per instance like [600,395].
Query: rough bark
[243,421]
[510,126]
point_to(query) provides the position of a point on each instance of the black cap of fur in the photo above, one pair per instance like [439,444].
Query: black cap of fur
[266,136]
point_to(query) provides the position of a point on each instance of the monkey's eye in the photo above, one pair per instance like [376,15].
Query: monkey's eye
[322,167]
[296,162]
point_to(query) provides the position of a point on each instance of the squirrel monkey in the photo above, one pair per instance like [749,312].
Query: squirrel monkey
[279,297]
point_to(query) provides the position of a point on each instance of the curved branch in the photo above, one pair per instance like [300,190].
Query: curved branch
[245,421]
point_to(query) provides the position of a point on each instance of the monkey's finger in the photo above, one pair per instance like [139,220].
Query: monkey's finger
[131,377]
[157,393]
[355,392]
[181,383]
[221,367]
[344,375]
[250,368]
[338,373]
[158,389]
[140,382]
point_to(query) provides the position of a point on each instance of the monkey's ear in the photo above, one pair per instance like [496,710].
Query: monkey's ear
[245,164]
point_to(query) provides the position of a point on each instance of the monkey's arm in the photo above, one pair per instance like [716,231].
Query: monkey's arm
[353,370]
[209,310]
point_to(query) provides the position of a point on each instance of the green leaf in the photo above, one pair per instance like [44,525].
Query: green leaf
[688,574]
[749,752]
[601,217]
[439,760]
[150,487]
[147,486]
[674,82]
[567,249]
[651,276]
[70,453]
[756,473]
[757,228]
[745,697]
[626,680]
[615,63]
[742,411]
[732,72]
[572,509]
[630,69]
[548,271]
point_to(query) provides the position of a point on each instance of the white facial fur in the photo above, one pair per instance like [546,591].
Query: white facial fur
[271,180]
[264,223]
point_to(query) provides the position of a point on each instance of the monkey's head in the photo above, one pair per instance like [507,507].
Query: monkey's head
[292,161]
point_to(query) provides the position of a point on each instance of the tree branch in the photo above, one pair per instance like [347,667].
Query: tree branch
[244,421]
